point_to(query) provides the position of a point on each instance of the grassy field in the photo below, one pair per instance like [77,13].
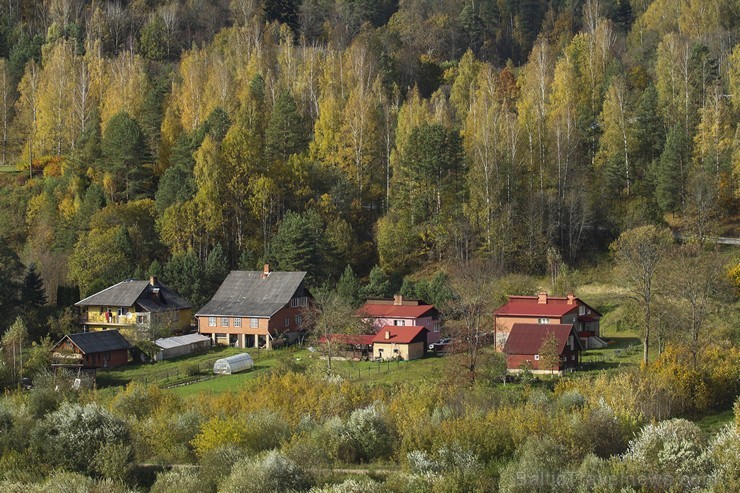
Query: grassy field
[7,168]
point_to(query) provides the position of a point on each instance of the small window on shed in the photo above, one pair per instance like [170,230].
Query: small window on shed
[536,357]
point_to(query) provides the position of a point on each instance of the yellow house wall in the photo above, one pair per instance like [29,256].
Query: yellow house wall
[405,351]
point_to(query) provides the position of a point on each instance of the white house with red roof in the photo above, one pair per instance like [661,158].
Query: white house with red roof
[400,312]
[544,309]
[400,342]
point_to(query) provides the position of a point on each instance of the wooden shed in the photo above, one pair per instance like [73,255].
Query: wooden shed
[101,349]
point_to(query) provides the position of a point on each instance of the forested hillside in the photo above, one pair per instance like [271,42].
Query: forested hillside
[184,139]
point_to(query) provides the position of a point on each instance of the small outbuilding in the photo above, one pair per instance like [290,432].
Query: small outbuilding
[233,364]
[400,342]
[171,347]
[104,349]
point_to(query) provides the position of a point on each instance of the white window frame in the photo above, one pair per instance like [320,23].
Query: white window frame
[224,321]
[254,323]
[298,319]
[287,321]
[298,301]
[237,322]
[543,320]
[399,323]
[536,357]
[212,321]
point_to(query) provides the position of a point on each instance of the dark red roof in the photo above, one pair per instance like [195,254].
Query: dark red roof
[400,334]
[527,338]
[349,338]
[529,306]
[372,310]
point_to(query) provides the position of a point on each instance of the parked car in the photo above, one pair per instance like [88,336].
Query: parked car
[440,344]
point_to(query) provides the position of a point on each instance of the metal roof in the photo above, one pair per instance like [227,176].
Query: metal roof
[529,306]
[252,294]
[528,338]
[134,292]
[177,341]
[98,342]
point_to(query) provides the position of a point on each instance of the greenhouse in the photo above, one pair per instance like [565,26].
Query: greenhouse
[233,364]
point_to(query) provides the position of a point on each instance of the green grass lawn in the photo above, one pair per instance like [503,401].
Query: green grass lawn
[7,168]
[712,423]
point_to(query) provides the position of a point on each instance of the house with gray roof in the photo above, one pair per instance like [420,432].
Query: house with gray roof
[106,349]
[134,305]
[255,309]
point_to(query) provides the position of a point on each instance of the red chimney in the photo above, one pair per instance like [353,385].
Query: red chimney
[542,298]
[153,280]
[266,271]
[571,299]
[398,300]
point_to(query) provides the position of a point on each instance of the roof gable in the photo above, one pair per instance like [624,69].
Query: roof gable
[530,306]
[251,293]
[97,342]
[372,310]
[399,334]
[151,298]
[528,338]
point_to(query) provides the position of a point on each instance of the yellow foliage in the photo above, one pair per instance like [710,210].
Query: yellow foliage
[217,432]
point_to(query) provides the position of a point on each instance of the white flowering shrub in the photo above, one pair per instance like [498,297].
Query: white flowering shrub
[724,454]
[351,486]
[273,472]
[71,436]
[675,446]
[179,480]
[369,430]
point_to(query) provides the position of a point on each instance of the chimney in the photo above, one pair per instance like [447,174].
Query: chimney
[397,300]
[266,271]
[153,280]
[542,298]
[387,334]
[571,299]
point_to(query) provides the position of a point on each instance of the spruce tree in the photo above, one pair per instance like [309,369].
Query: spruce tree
[33,293]
[348,287]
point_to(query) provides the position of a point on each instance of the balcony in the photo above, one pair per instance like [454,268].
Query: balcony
[115,320]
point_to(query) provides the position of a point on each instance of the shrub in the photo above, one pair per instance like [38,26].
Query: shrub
[272,472]
[724,454]
[180,480]
[674,446]
[72,435]
[216,464]
[351,486]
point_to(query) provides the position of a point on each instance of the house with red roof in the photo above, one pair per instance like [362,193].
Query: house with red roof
[544,309]
[400,342]
[400,312]
[525,341]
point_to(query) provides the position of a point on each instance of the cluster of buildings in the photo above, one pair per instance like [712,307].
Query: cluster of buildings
[265,309]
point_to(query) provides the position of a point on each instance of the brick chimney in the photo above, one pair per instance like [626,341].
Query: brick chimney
[265,271]
[387,334]
[571,299]
[397,300]
[153,280]
[542,298]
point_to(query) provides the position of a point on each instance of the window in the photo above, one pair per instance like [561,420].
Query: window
[211,321]
[299,301]
[573,358]
[237,322]
[287,321]
[122,310]
[399,322]
[543,321]
[224,322]
[298,319]
[581,310]
[254,323]
[536,357]
[436,326]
